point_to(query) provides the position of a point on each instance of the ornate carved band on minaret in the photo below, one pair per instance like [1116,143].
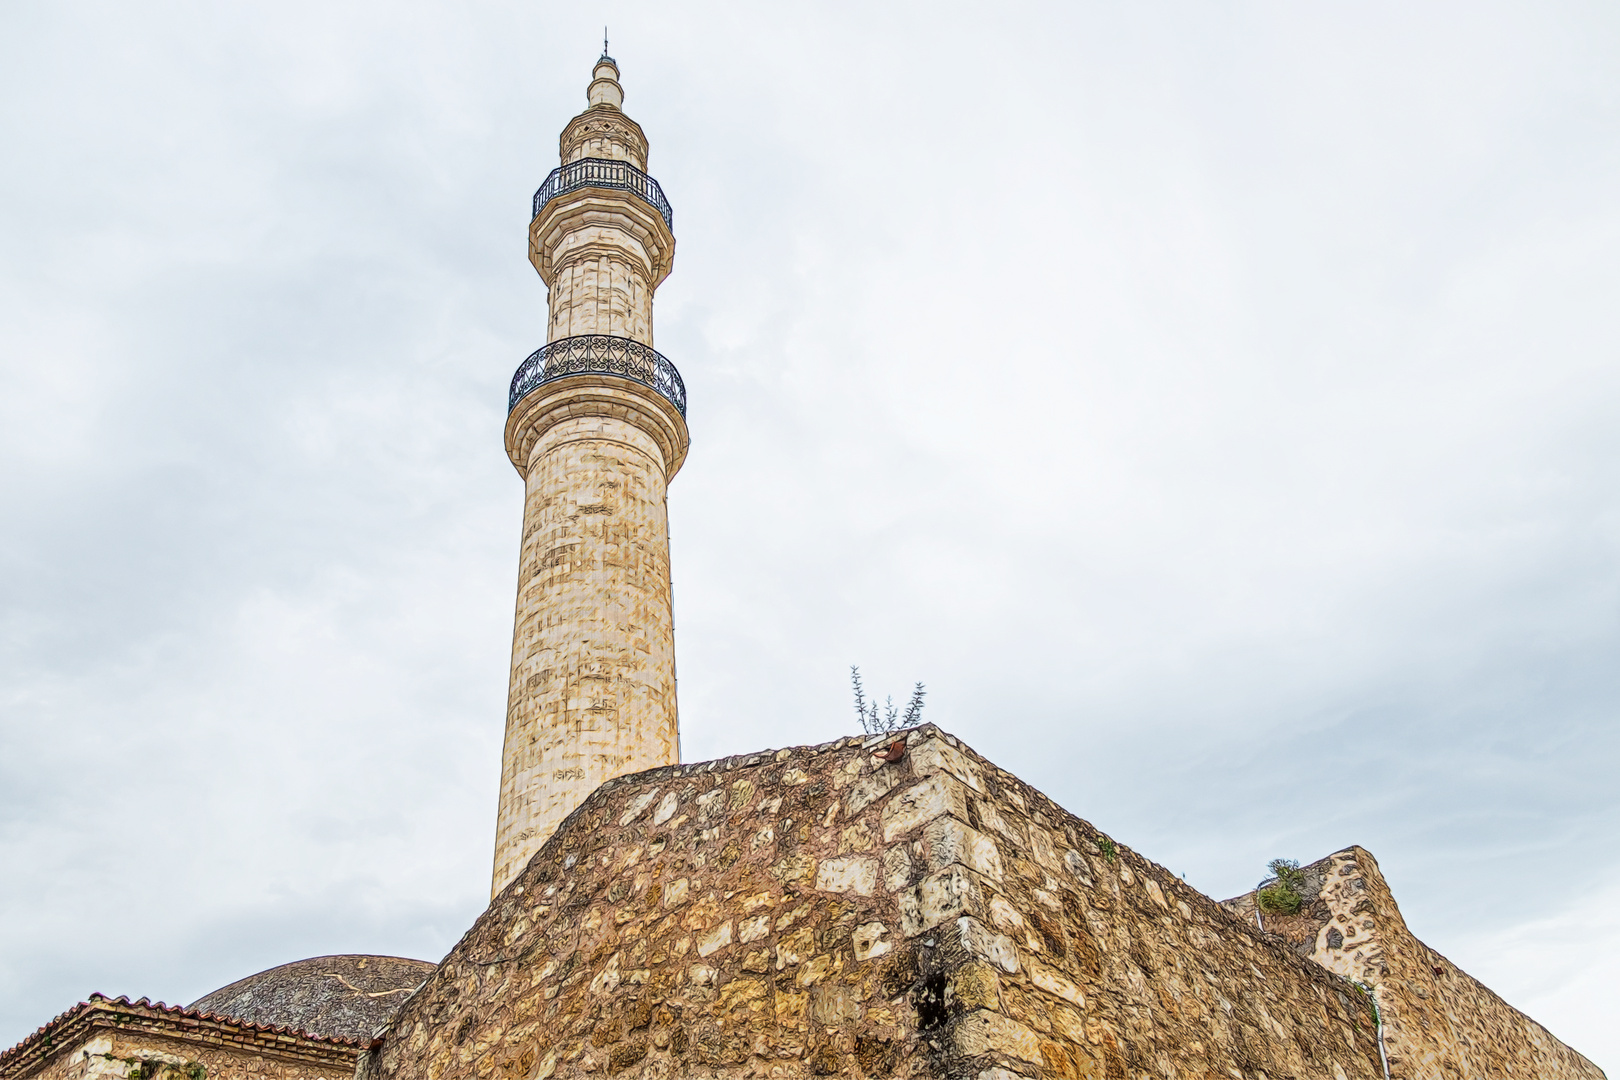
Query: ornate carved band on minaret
[597,429]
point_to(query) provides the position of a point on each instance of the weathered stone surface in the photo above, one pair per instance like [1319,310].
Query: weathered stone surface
[1054,983]
[935,797]
[982,1032]
[948,842]
[765,929]
[989,946]
[869,941]
[1438,1020]
[937,898]
[851,875]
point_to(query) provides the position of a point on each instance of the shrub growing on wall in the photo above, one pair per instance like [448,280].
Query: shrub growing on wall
[892,718]
[1284,895]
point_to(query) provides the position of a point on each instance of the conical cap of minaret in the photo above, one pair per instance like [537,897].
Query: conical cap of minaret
[605,88]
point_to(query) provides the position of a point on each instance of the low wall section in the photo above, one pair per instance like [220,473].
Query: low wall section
[117,1039]
[1440,1023]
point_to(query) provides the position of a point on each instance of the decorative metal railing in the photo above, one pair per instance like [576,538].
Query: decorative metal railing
[604,172]
[598,354]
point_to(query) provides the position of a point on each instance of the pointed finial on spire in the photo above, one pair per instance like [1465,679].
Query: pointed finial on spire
[605,88]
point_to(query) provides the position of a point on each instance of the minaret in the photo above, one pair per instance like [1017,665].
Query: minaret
[597,428]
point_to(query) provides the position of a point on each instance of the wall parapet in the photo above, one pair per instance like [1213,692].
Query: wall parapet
[825,910]
[1438,1019]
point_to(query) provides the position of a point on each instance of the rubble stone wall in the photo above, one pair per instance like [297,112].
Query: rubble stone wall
[1440,1023]
[891,907]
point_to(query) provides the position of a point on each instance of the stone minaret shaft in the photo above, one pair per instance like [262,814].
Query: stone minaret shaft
[597,429]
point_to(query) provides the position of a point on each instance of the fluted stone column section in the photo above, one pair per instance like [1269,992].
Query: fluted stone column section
[592,692]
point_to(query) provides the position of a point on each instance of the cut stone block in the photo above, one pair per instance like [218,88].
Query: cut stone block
[947,841]
[935,797]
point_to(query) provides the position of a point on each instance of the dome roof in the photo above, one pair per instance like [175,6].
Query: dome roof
[346,996]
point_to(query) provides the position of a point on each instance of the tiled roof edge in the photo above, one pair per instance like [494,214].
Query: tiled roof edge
[103,1003]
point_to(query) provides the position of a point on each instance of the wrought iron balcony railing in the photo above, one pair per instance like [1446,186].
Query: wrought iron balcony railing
[599,354]
[604,172]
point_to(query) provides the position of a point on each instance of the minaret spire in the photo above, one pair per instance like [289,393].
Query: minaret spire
[605,88]
[597,429]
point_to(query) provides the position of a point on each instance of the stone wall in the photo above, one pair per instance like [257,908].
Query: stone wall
[123,1040]
[1440,1023]
[893,907]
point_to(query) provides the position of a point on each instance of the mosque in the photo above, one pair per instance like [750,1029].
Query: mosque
[888,905]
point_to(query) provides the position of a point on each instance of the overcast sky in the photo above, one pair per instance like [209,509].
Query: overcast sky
[1217,405]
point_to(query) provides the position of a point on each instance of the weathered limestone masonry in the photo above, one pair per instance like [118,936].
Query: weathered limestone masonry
[883,907]
[1439,1022]
[592,690]
[117,1039]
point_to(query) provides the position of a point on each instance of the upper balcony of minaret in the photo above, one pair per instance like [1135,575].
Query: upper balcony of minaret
[600,200]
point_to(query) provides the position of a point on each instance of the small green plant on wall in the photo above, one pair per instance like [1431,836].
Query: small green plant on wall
[892,719]
[148,1069]
[1286,894]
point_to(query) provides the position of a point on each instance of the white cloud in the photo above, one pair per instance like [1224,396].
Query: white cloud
[1544,966]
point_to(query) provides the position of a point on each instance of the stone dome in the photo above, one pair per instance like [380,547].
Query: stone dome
[337,996]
